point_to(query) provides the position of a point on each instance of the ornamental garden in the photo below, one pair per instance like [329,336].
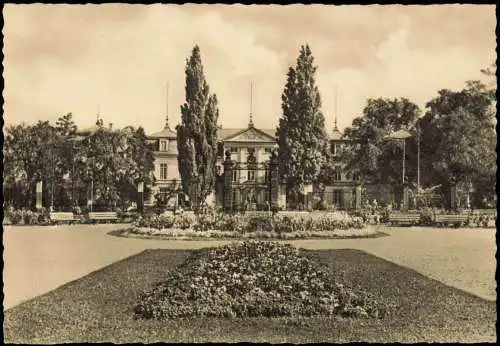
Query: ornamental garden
[293,182]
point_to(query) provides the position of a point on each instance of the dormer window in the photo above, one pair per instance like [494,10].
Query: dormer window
[163,145]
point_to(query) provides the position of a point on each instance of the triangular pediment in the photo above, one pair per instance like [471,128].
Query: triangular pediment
[250,135]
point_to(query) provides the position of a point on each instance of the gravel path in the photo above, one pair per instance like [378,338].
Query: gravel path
[40,259]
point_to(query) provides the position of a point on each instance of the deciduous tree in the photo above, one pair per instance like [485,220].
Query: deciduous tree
[376,158]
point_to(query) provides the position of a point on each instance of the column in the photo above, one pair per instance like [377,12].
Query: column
[406,199]
[274,180]
[358,197]
[227,198]
[39,194]
[140,197]
[347,199]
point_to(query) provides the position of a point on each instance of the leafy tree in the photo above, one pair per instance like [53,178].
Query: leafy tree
[65,125]
[114,161]
[139,166]
[460,139]
[301,130]
[19,165]
[31,155]
[67,147]
[377,159]
[197,133]
[491,73]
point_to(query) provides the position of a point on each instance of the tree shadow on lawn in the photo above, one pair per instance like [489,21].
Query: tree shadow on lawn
[99,307]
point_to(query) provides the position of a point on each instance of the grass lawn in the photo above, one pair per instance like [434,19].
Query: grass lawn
[98,307]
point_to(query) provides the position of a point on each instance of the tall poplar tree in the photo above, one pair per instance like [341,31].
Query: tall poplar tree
[301,130]
[197,133]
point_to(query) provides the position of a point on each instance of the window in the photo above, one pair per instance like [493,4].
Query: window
[234,150]
[267,150]
[266,174]
[163,171]
[163,145]
[336,149]
[251,175]
[337,174]
[235,175]
[355,176]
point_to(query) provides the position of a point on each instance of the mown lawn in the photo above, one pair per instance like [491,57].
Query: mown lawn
[98,307]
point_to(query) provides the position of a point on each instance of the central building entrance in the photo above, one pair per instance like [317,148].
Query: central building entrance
[251,185]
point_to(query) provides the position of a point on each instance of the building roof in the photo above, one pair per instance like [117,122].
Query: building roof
[93,129]
[230,132]
[335,135]
[167,132]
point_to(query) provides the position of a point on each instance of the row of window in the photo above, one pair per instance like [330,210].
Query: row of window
[336,148]
[251,175]
[237,150]
[337,176]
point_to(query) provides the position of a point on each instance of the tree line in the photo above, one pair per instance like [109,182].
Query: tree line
[69,163]
[456,131]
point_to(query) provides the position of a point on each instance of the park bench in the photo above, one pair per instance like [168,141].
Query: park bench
[103,216]
[404,219]
[62,217]
[451,219]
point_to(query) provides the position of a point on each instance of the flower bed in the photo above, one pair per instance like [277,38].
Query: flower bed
[254,279]
[219,225]
[172,233]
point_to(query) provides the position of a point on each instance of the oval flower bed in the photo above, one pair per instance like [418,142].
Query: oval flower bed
[254,279]
[224,226]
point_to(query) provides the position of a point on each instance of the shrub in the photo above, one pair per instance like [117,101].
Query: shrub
[260,224]
[15,217]
[231,222]
[183,221]
[254,279]
[427,217]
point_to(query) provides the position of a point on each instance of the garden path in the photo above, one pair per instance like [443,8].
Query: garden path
[39,259]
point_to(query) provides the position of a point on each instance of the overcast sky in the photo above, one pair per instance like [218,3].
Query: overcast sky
[69,58]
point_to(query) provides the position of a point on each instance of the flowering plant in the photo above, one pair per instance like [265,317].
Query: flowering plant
[254,279]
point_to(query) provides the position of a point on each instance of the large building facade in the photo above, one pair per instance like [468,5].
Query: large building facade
[250,185]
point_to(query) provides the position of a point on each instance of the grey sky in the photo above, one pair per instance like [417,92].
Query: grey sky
[68,58]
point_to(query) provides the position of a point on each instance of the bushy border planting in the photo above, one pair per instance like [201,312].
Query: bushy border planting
[168,234]
[250,226]
[254,279]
